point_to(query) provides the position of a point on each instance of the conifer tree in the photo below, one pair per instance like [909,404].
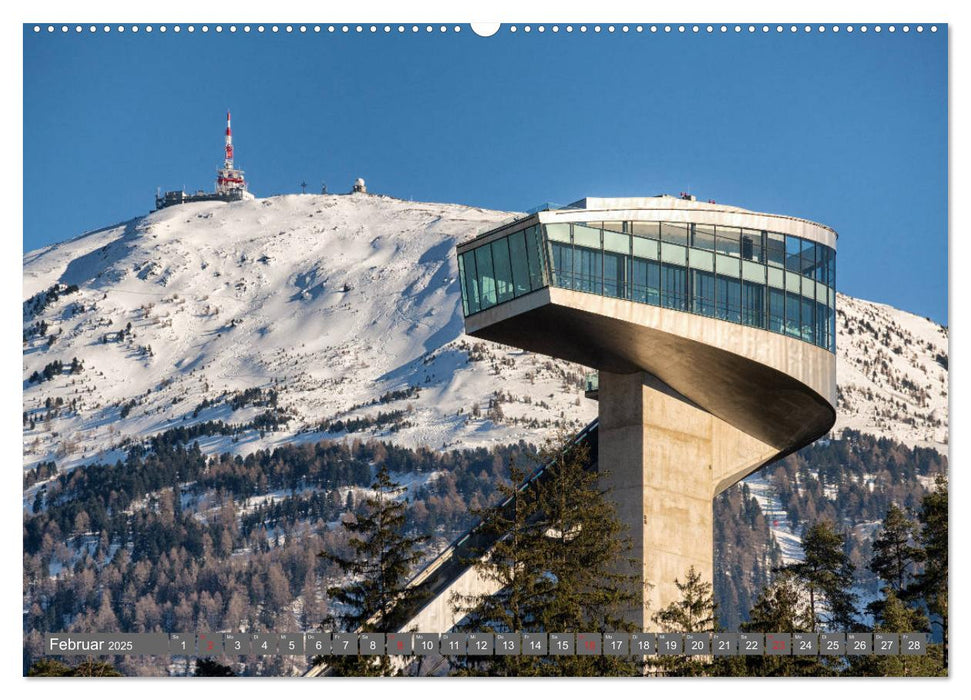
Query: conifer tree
[931,583]
[378,570]
[781,607]
[557,554]
[695,611]
[895,555]
[895,559]
[897,616]
[90,668]
[827,575]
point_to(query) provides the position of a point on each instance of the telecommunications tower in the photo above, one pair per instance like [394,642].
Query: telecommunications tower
[229,179]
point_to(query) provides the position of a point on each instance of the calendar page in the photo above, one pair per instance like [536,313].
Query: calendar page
[445,349]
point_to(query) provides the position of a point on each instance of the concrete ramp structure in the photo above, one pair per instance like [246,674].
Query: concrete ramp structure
[713,331]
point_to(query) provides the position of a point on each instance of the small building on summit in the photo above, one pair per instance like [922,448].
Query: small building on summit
[230,182]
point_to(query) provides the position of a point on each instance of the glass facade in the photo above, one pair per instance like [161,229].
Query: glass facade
[764,279]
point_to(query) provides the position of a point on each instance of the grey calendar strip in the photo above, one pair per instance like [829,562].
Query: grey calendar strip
[489,644]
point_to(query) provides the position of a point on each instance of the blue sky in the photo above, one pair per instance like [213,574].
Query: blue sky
[846,129]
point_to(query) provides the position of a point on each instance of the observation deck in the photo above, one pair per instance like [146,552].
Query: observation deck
[731,308]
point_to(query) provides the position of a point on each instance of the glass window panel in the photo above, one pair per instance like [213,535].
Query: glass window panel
[486,276]
[727,240]
[586,235]
[821,291]
[674,233]
[753,300]
[832,330]
[647,229]
[537,259]
[587,269]
[646,282]
[471,283]
[617,242]
[561,258]
[808,255]
[673,291]
[775,249]
[753,272]
[701,259]
[728,299]
[808,287]
[558,232]
[806,322]
[703,236]
[792,282]
[820,266]
[645,248]
[822,325]
[673,254]
[793,258]
[792,314]
[617,226]
[822,257]
[776,278]
[752,246]
[777,310]
[502,269]
[520,263]
[703,293]
[726,265]
[615,274]
[465,300]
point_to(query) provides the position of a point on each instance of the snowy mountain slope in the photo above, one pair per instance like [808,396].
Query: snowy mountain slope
[330,301]
[892,374]
[288,315]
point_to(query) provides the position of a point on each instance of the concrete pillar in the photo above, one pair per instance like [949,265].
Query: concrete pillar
[666,459]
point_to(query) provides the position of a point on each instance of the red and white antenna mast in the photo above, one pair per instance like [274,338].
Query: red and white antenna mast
[229,140]
[229,179]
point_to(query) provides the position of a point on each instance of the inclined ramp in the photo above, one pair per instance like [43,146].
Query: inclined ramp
[453,572]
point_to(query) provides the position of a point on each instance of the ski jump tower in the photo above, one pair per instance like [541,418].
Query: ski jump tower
[712,328]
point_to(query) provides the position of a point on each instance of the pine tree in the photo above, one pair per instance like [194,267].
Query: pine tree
[931,583]
[47,668]
[88,668]
[897,616]
[557,552]
[511,564]
[381,563]
[780,608]
[695,611]
[895,558]
[827,575]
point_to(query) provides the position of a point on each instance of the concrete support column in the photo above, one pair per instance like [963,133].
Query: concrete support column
[666,459]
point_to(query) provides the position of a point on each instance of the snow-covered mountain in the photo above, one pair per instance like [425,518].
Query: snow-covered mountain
[891,371]
[302,317]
